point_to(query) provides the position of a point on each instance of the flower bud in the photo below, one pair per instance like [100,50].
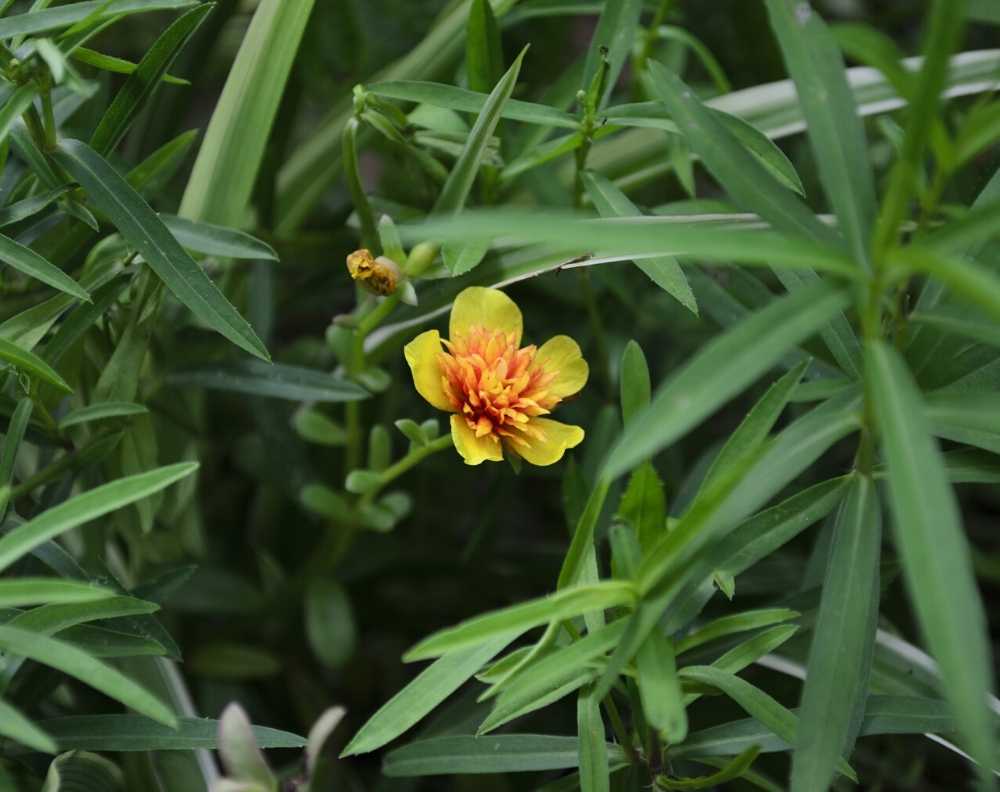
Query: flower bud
[378,275]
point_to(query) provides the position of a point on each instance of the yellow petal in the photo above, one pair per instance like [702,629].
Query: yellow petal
[474,450]
[422,355]
[560,355]
[489,308]
[555,438]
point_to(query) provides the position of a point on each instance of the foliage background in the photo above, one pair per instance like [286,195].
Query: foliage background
[475,539]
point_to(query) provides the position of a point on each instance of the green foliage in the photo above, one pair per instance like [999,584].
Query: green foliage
[787,303]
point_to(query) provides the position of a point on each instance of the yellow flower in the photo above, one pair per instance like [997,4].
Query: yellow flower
[496,390]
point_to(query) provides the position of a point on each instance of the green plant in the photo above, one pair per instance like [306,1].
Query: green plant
[773,315]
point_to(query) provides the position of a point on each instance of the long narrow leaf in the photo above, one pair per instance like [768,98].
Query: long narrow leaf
[144,230]
[938,569]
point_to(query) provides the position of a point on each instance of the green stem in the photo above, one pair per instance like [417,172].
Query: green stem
[49,121]
[352,175]
[618,726]
[409,461]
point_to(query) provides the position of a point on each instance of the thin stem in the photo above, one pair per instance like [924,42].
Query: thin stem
[409,461]
[618,726]
[49,121]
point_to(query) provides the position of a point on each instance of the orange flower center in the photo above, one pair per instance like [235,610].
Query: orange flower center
[494,385]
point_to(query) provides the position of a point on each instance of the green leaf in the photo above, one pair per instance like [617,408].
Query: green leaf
[241,756]
[970,281]
[121,733]
[86,507]
[840,656]
[275,380]
[960,321]
[19,728]
[29,207]
[42,21]
[757,704]
[12,439]
[502,753]
[72,661]
[454,98]
[39,591]
[312,425]
[32,365]
[944,30]
[15,106]
[428,689]
[144,230]
[660,688]
[143,81]
[213,240]
[517,619]
[100,412]
[729,241]
[549,677]
[456,189]
[729,772]
[883,715]
[105,62]
[664,271]
[746,180]
[83,772]
[644,506]
[755,427]
[230,157]
[736,623]
[970,418]
[483,48]
[835,129]
[330,623]
[936,563]
[720,370]
[593,746]
[613,37]
[635,388]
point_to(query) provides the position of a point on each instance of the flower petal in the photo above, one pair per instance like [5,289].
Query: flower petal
[547,441]
[422,355]
[560,356]
[489,308]
[474,450]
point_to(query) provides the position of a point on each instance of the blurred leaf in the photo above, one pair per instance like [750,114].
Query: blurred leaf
[593,746]
[935,553]
[613,38]
[735,623]
[143,81]
[83,772]
[330,623]
[239,751]
[25,591]
[19,728]
[453,98]
[99,412]
[45,20]
[483,48]
[144,230]
[114,733]
[230,157]
[272,380]
[233,661]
